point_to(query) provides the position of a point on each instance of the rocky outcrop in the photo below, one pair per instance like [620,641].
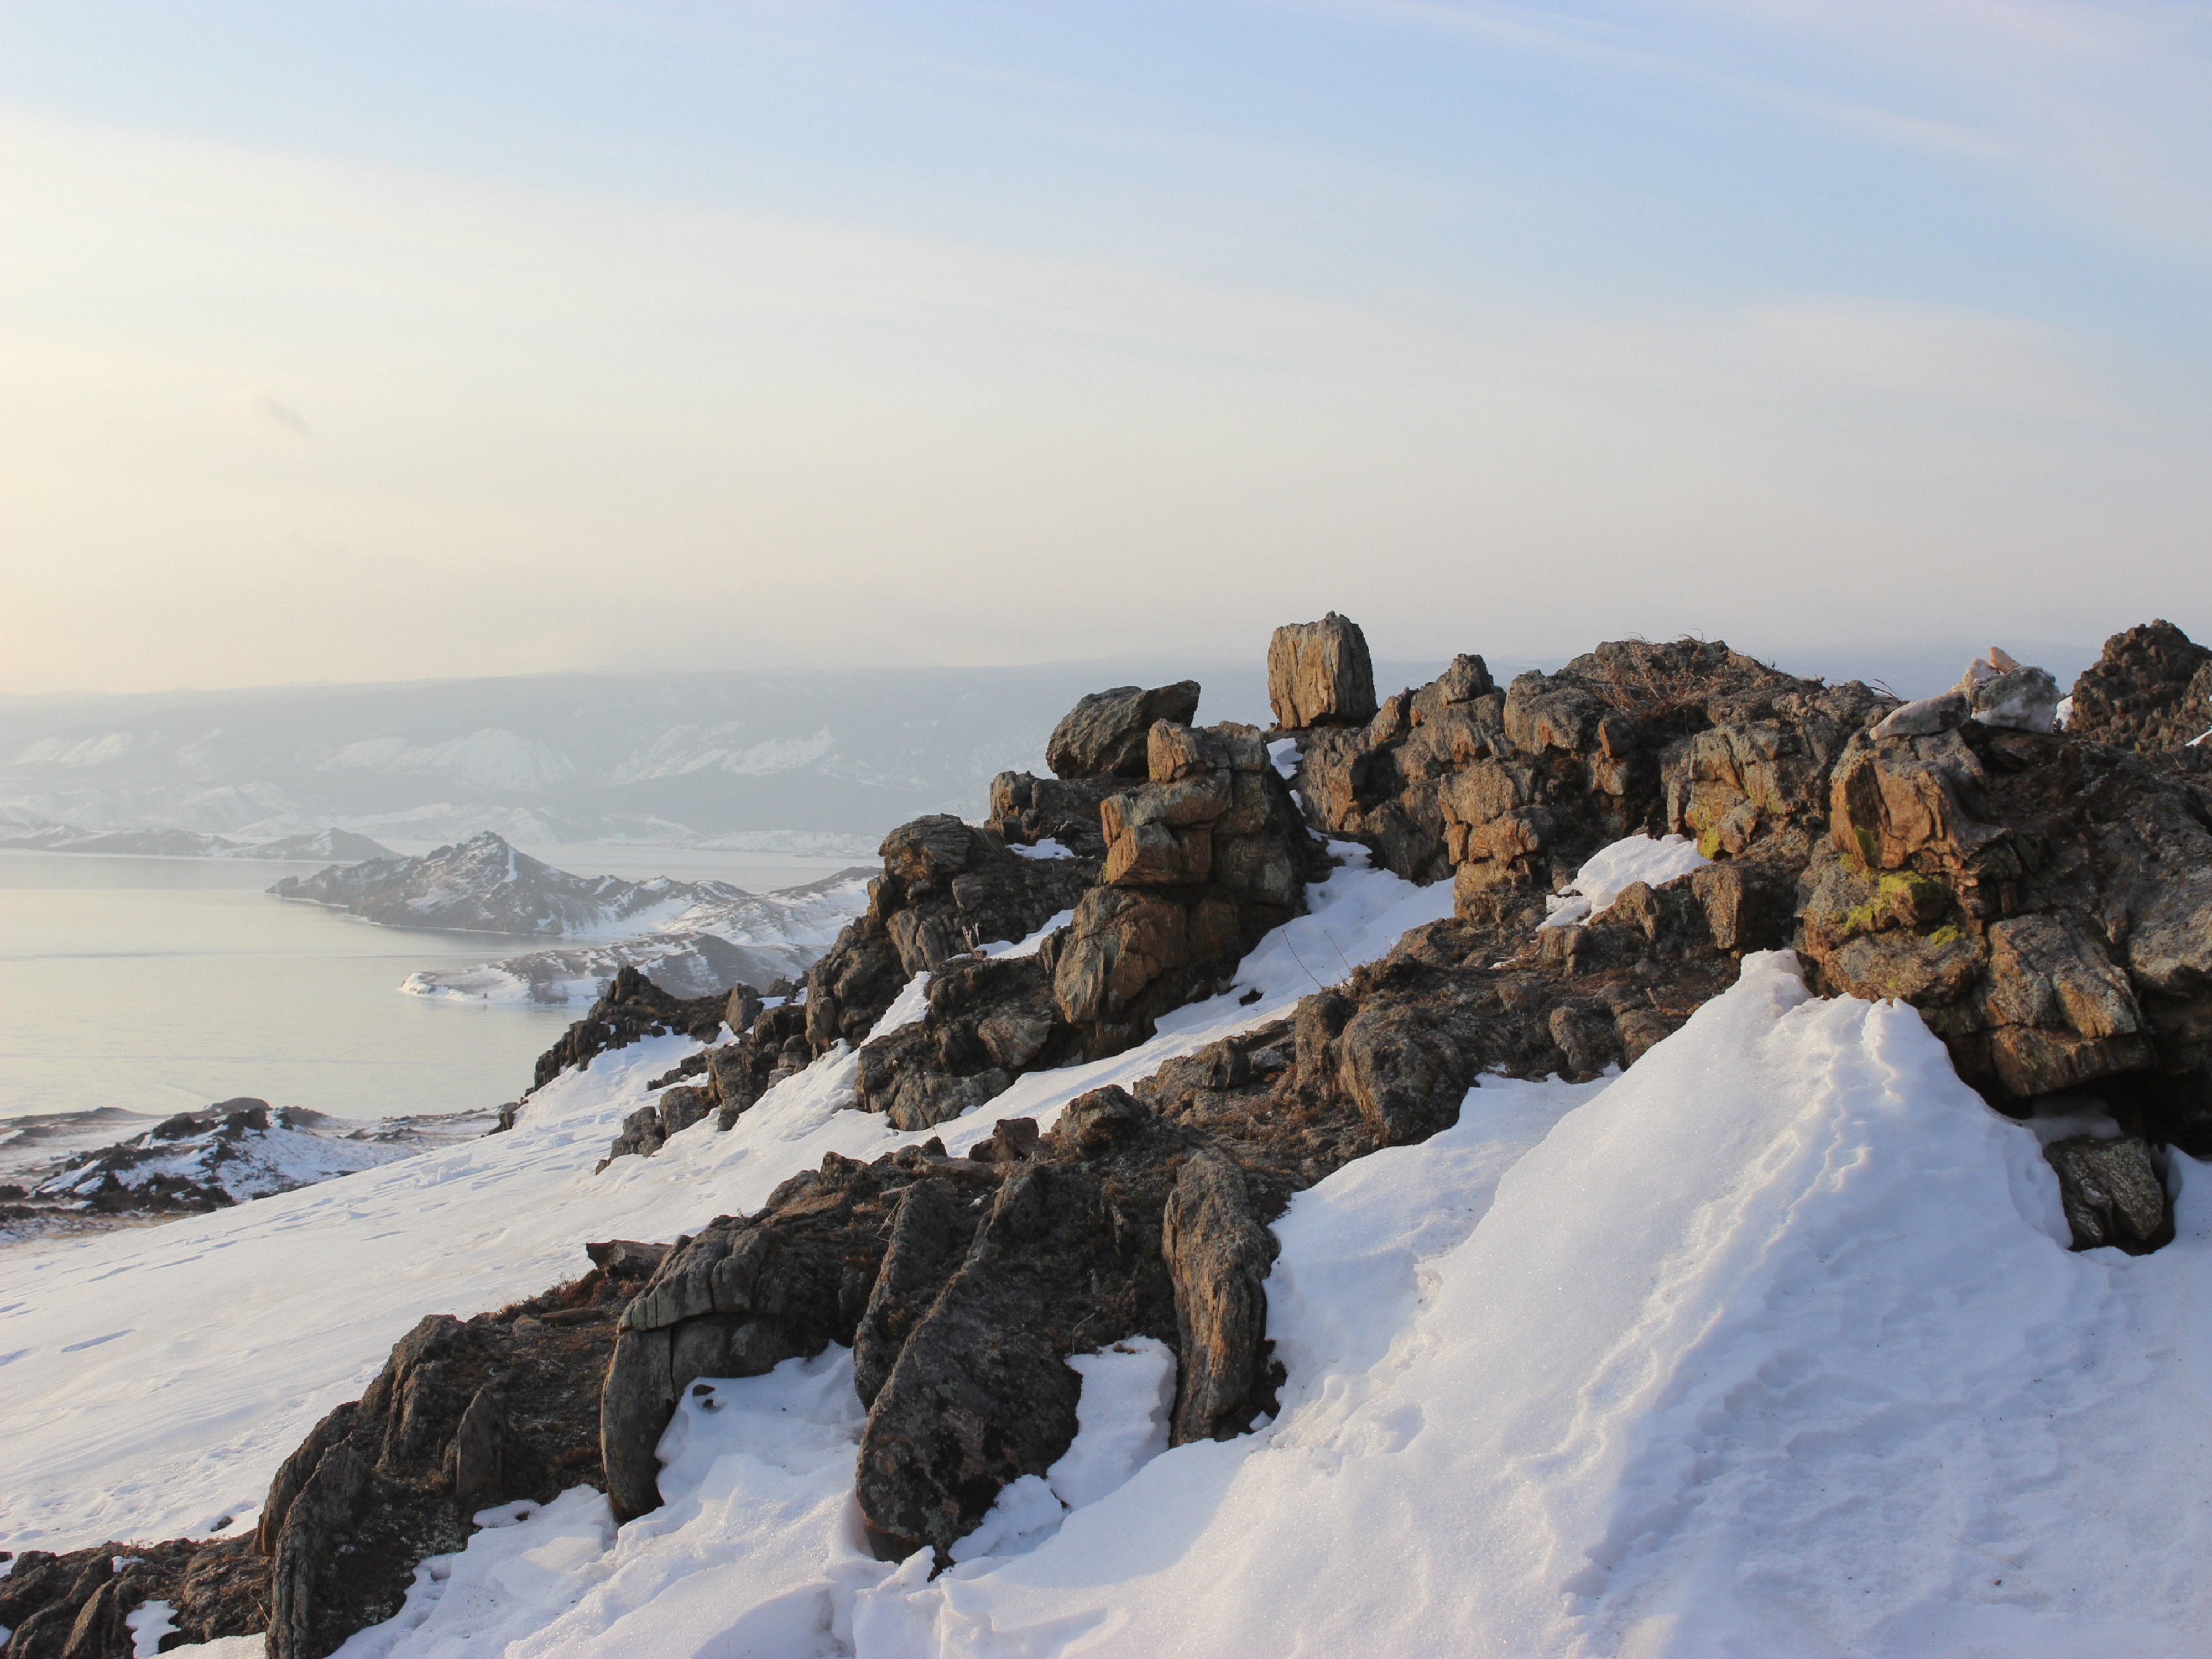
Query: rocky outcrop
[1517,787]
[77,1605]
[465,1414]
[1097,746]
[985,1021]
[2044,901]
[964,1283]
[1319,674]
[630,1009]
[234,1150]
[946,889]
[1201,860]
[1103,736]
[2150,689]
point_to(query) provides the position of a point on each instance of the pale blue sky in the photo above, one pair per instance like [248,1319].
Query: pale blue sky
[378,340]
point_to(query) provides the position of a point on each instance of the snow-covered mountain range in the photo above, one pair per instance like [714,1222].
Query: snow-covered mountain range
[691,937]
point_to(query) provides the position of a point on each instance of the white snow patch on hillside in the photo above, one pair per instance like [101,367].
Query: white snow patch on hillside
[1612,869]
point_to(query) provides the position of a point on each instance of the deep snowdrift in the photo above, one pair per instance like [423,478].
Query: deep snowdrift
[1769,1347]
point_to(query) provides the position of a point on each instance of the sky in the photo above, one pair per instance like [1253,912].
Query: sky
[441,337]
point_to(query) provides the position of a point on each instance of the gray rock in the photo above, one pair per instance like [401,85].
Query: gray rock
[1104,734]
[2150,691]
[1218,1252]
[2022,700]
[2112,1192]
[1946,712]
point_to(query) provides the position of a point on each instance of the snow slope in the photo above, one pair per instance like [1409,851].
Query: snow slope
[1768,1346]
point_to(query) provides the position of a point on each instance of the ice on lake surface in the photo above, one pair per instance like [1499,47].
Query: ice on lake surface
[158,984]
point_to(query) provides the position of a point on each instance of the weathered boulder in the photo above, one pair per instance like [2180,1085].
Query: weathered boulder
[1219,1251]
[2112,1192]
[2150,689]
[1103,735]
[465,1414]
[980,1394]
[1319,674]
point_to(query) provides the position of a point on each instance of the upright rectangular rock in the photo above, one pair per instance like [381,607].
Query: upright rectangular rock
[1319,674]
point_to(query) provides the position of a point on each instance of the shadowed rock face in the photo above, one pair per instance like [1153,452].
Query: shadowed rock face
[73,1606]
[1103,735]
[2151,690]
[465,1414]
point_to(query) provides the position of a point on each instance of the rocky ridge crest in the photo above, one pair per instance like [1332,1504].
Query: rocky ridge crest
[2043,898]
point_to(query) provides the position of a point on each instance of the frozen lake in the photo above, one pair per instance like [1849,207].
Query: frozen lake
[156,985]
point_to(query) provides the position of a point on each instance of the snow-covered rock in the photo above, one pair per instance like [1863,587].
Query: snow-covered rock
[191,1162]
[1651,859]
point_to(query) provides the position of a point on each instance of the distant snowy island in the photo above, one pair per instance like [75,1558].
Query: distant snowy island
[1657,1157]
[694,938]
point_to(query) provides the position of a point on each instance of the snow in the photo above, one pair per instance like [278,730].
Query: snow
[1122,1417]
[1047,848]
[1612,869]
[1285,754]
[1035,942]
[1768,1346]
[147,1623]
[1764,1348]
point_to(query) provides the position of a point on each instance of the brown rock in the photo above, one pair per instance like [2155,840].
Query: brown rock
[1319,674]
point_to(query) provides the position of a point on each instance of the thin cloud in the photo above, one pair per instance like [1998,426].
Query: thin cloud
[256,408]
